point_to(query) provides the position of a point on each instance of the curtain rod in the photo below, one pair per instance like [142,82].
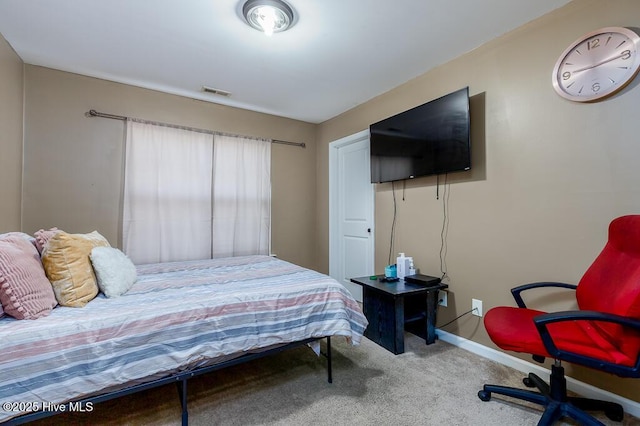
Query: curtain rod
[94,113]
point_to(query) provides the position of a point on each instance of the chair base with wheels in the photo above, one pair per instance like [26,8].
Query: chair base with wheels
[554,398]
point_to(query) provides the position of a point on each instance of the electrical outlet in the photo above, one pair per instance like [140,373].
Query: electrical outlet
[476,306]
[442,298]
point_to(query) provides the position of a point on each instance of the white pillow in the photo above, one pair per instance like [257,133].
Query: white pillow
[115,272]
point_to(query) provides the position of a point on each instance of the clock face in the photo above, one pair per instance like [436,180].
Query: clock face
[598,65]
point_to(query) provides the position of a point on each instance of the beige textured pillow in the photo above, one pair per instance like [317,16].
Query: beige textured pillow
[67,264]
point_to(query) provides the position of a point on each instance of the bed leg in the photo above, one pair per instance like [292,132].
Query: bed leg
[182,393]
[329,373]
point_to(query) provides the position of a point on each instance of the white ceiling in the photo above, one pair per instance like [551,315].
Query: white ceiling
[338,54]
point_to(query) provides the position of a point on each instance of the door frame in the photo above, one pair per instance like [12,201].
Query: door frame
[334,202]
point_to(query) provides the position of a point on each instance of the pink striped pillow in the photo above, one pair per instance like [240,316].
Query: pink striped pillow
[15,234]
[25,291]
[42,236]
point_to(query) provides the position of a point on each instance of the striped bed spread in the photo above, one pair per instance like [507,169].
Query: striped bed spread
[178,316]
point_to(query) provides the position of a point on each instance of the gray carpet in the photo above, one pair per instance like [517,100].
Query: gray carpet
[427,385]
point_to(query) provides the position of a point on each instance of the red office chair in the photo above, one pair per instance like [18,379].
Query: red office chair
[603,334]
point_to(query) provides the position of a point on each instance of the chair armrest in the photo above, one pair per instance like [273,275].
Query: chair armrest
[541,322]
[517,290]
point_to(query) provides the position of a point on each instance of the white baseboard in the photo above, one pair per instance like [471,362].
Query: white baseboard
[574,385]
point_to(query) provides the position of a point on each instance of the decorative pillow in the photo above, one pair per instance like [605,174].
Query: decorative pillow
[15,234]
[115,272]
[25,292]
[66,262]
[42,236]
[8,234]
[27,237]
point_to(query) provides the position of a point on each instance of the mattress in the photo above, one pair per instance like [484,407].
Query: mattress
[178,316]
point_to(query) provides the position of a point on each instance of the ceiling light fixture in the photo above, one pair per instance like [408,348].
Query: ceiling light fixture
[270,16]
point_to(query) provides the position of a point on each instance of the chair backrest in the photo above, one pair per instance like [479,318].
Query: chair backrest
[612,282]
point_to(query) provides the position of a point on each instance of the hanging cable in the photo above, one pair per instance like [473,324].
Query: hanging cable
[445,229]
[404,188]
[393,223]
[456,318]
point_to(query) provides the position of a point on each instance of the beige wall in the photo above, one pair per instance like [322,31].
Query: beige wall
[11,94]
[73,164]
[548,174]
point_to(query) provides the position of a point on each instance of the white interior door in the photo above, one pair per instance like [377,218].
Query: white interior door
[351,206]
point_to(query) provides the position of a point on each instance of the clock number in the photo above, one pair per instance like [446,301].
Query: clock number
[626,54]
[592,44]
[595,87]
[566,75]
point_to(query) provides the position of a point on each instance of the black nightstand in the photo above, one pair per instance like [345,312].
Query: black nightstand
[390,307]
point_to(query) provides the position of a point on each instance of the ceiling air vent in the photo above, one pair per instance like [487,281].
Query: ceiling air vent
[215,91]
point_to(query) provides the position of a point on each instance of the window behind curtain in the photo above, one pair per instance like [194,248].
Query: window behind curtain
[241,196]
[182,201]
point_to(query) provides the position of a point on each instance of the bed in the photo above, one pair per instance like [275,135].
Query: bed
[178,320]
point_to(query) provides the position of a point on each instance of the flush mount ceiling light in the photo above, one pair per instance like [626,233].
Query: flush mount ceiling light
[270,16]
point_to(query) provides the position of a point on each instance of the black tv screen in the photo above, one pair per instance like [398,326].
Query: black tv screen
[429,139]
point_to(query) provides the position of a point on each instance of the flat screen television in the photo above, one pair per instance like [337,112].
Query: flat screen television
[430,139]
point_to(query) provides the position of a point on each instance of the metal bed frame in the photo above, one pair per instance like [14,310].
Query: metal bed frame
[179,378]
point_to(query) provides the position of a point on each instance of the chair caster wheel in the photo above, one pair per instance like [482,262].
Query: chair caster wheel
[528,382]
[484,395]
[615,414]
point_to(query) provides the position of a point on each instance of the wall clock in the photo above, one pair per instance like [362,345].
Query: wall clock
[597,65]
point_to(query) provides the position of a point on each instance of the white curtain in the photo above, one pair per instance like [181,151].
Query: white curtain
[190,195]
[241,196]
[167,194]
